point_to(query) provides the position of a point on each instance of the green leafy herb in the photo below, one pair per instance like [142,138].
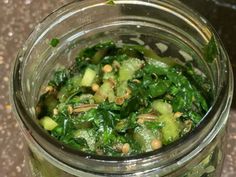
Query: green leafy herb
[60,77]
[110,2]
[54,42]
[210,51]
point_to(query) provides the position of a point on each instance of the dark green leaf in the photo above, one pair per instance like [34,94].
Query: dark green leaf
[132,105]
[126,124]
[47,103]
[195,117]
[54,42]
[210,51]
[60,77]
[159,88]
[154,126]
[109,106]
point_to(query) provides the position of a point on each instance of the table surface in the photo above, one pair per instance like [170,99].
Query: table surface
[17,20]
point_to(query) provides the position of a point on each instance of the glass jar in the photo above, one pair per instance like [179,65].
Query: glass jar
[146,22]
[226,3]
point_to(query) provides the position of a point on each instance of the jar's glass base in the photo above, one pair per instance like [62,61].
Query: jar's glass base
[210,166]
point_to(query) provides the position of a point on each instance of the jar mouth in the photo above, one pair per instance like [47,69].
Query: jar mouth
[37,135]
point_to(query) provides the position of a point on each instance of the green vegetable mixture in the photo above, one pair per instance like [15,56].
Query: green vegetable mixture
[123,100]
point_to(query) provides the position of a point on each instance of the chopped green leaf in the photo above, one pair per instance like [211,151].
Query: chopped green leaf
[110,2]
[54,42]
[210,51]
[60,77]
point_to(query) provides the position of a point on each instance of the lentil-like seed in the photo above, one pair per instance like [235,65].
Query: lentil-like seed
[178,114]
[126,148]
[107,68]
[120,100]
[49,89]
[70,109]
[140,121]
[156,144]
[55,111]
[95,87]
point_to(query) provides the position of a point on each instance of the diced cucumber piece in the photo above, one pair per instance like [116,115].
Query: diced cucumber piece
[128,68]
[162,107]
[48,123]
[88,77]
[111,96]
[122,89]
[76,80]
[104,92]
[109,75]
[170,130]
[126,72]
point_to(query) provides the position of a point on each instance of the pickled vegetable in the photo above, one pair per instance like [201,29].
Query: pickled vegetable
[123,101]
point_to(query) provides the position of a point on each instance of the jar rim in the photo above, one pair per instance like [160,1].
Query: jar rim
[27,121]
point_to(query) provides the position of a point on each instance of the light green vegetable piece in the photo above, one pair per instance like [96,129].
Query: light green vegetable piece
[88,77]
[128,68]
[104,92]
[171,129]
[122,89]
[109,75]
[48,123]
[162,107]
[126,72]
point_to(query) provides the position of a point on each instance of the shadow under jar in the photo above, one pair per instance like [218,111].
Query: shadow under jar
[84,23]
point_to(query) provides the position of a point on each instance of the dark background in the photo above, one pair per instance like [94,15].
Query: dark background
[223,19]
[17,20]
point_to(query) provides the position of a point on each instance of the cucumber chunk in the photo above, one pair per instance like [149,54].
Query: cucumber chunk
[88,77]
[48,123]
[171,129]
[162,107]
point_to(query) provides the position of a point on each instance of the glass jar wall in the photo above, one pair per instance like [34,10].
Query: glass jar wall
[84,23]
